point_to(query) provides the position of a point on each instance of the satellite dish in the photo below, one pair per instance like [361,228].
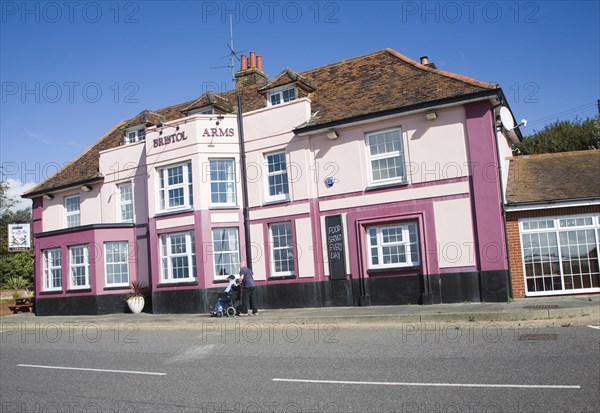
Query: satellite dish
[506,118]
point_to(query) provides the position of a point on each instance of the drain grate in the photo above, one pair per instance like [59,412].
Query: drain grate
[538,337]
[543,306]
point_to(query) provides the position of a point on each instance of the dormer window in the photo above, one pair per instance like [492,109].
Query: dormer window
[207,110]
[282,95]
[135,135]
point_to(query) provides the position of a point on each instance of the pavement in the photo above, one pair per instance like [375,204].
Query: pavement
[579,309]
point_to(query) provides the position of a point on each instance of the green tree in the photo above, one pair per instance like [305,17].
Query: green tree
[563,136]
[16,265]
[13,264]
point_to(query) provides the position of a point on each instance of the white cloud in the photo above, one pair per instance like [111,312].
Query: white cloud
[15,190]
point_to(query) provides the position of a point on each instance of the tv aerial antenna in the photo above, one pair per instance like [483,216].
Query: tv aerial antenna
[233,55]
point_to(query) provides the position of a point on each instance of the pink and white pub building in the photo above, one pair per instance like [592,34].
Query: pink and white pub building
[371,181]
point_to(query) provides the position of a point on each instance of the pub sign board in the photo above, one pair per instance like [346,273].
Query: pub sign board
[336,253]
[19,237]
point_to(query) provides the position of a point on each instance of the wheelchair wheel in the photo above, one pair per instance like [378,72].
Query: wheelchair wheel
[219,313]
[230,311]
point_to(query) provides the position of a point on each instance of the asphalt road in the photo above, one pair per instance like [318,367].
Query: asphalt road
[256,367]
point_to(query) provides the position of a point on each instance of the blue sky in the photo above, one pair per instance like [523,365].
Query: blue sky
[71,70]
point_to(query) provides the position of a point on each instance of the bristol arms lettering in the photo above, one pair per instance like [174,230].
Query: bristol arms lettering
[217,132]
[166,140]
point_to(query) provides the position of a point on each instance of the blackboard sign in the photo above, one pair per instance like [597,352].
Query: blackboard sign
[335,247]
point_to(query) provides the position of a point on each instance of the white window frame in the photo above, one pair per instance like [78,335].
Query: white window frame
[269,197]
[135,135]
[50,266]
[73,213]
[166,257]
[125,260]
[557,229]
[127,203]
[230,182]
[164,187]
[380,244]
[289,247]
[280,93]
[399,155]
[218,251]
[85,265]
[206,110]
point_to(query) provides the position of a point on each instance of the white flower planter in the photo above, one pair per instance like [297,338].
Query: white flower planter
[136,304]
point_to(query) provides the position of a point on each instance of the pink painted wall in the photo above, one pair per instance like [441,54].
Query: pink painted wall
[126,163]
[486,204]
[437,155]
[95,239]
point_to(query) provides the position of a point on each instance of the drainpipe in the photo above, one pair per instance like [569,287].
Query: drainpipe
[503,200]
[246,210]
[364,299]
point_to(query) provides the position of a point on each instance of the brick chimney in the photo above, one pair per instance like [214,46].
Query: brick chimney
[425,62]
[250,72]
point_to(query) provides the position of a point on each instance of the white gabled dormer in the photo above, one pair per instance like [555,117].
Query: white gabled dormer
[136,134]
[206,110]
[286,87]
[135,130]
[208,104]
[282,94]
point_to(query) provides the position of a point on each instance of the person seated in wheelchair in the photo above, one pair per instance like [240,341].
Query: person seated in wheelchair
[225,297]
[231,287]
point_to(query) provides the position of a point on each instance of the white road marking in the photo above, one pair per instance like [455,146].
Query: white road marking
[596,327]
[386,383]
[100,370]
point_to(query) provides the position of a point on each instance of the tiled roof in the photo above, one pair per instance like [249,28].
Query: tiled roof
[210,99]
[381,81]
[365,85]
[86,167]
[147,118]
[554,177]
[286,77]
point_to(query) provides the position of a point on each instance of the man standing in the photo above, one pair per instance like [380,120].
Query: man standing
[248,287]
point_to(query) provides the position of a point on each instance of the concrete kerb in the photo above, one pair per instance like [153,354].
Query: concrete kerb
[343,316]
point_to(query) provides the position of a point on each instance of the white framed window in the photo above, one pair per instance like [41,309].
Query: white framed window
[560,254]
[178,257]
[52,269]
[79,263]
[207,110]
[72,211]
[393,246]
[282,249]
[277,177]
[282,95]
[126,202]
[386,157]
[136,135]
[116,263]
[222,182]
[175,190]
[226,252]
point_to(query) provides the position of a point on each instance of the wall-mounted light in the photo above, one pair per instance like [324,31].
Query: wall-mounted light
[431,115]
[219,119]
[332,134]
[86,188]
[48,196]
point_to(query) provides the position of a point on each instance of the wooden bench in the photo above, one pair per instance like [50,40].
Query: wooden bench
[21,304]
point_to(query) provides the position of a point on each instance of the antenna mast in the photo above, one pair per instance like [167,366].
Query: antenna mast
[232,53]
[232,56]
